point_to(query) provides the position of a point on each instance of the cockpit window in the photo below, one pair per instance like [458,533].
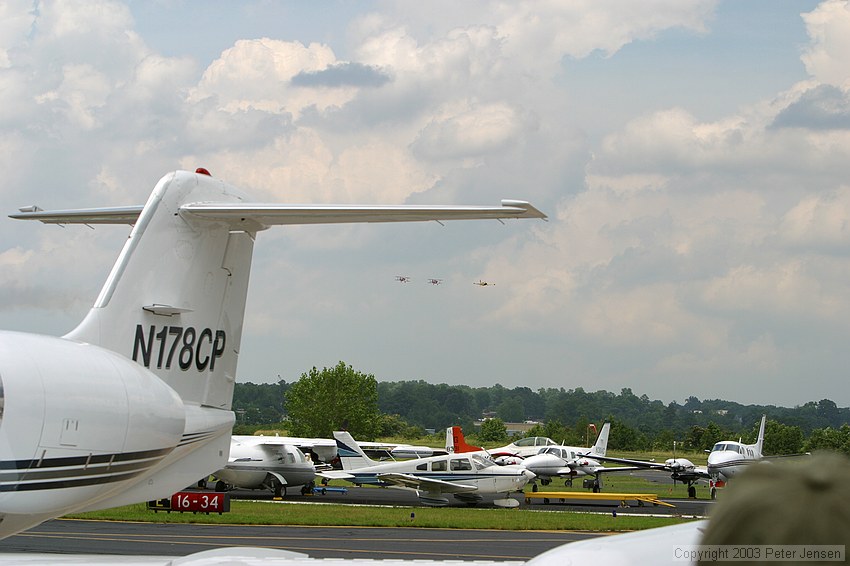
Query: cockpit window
[438,466]
[481,463]
[531,441]
[460,464]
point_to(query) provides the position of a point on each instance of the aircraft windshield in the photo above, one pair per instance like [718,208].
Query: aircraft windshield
[481,463]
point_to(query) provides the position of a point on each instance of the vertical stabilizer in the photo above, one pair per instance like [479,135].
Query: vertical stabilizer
[175,299]
[454,435]
[600,447]
[351,456]
[760,440]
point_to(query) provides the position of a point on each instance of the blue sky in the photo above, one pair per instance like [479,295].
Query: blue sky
[692,157]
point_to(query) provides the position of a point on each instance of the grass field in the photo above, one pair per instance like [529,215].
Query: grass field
[282,513]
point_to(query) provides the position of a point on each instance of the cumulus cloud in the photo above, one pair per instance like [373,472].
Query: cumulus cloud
[825,57]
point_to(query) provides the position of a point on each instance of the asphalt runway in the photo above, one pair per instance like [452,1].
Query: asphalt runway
[150,539]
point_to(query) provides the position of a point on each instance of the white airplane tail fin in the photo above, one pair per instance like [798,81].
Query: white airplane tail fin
[350,454]
[600,447]
[175,298]
[760,440]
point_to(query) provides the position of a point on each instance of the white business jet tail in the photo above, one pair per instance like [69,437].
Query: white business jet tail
[173,304]
[175,299]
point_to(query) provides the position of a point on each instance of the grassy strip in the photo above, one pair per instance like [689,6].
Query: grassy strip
[273,513]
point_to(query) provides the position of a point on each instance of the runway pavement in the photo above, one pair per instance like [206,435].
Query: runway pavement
[150,539]
[144,539]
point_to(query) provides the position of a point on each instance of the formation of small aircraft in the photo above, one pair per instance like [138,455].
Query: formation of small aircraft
[435,281]
[464,476]
[134,404]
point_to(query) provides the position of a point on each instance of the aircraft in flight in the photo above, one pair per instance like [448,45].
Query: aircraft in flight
[134,404]
[481,283]
[726,459]
[255,463]
[402,278]
[435,281]
[465,476]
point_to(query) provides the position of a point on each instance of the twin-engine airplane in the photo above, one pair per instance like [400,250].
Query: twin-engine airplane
[726,459]
[256,463]
[466,476]
[544,458]
[134,403]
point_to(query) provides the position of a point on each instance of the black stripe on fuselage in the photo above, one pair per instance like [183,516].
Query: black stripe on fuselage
[76,471]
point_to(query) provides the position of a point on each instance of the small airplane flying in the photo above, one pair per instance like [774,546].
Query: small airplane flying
[134,404]
[435,281]
[255,463]
[466,476]
[726,459]
[481,283]
[402,278]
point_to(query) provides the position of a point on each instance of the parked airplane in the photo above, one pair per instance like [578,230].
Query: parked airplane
[726,459]
[570,462]
[550,459]
[134,404]
[323,450]
[466,476]
[510,453]
[255,463]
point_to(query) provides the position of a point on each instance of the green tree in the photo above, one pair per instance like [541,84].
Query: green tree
[337,398]
[493,430]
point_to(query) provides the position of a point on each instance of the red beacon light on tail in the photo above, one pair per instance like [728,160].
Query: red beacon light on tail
[202,171]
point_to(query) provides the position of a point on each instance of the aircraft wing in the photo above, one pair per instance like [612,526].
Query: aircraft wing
[425,484]
[635,464]
[268,214]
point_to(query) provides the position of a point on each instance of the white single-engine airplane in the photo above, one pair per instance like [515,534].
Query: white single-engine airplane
[466,476]
[134,404]
[255,463]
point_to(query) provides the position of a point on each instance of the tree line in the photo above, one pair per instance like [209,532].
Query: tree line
[341,397]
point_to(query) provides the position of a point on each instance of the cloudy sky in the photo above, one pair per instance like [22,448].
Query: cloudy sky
[693,157]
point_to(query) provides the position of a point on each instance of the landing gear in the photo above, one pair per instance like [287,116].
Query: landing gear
[279,490]
[534,488]
[220,486]
[545,481]
[692,492]
[568,483]
[713,492]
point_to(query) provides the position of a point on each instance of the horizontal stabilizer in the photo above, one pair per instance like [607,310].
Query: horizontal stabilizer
[242,214]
